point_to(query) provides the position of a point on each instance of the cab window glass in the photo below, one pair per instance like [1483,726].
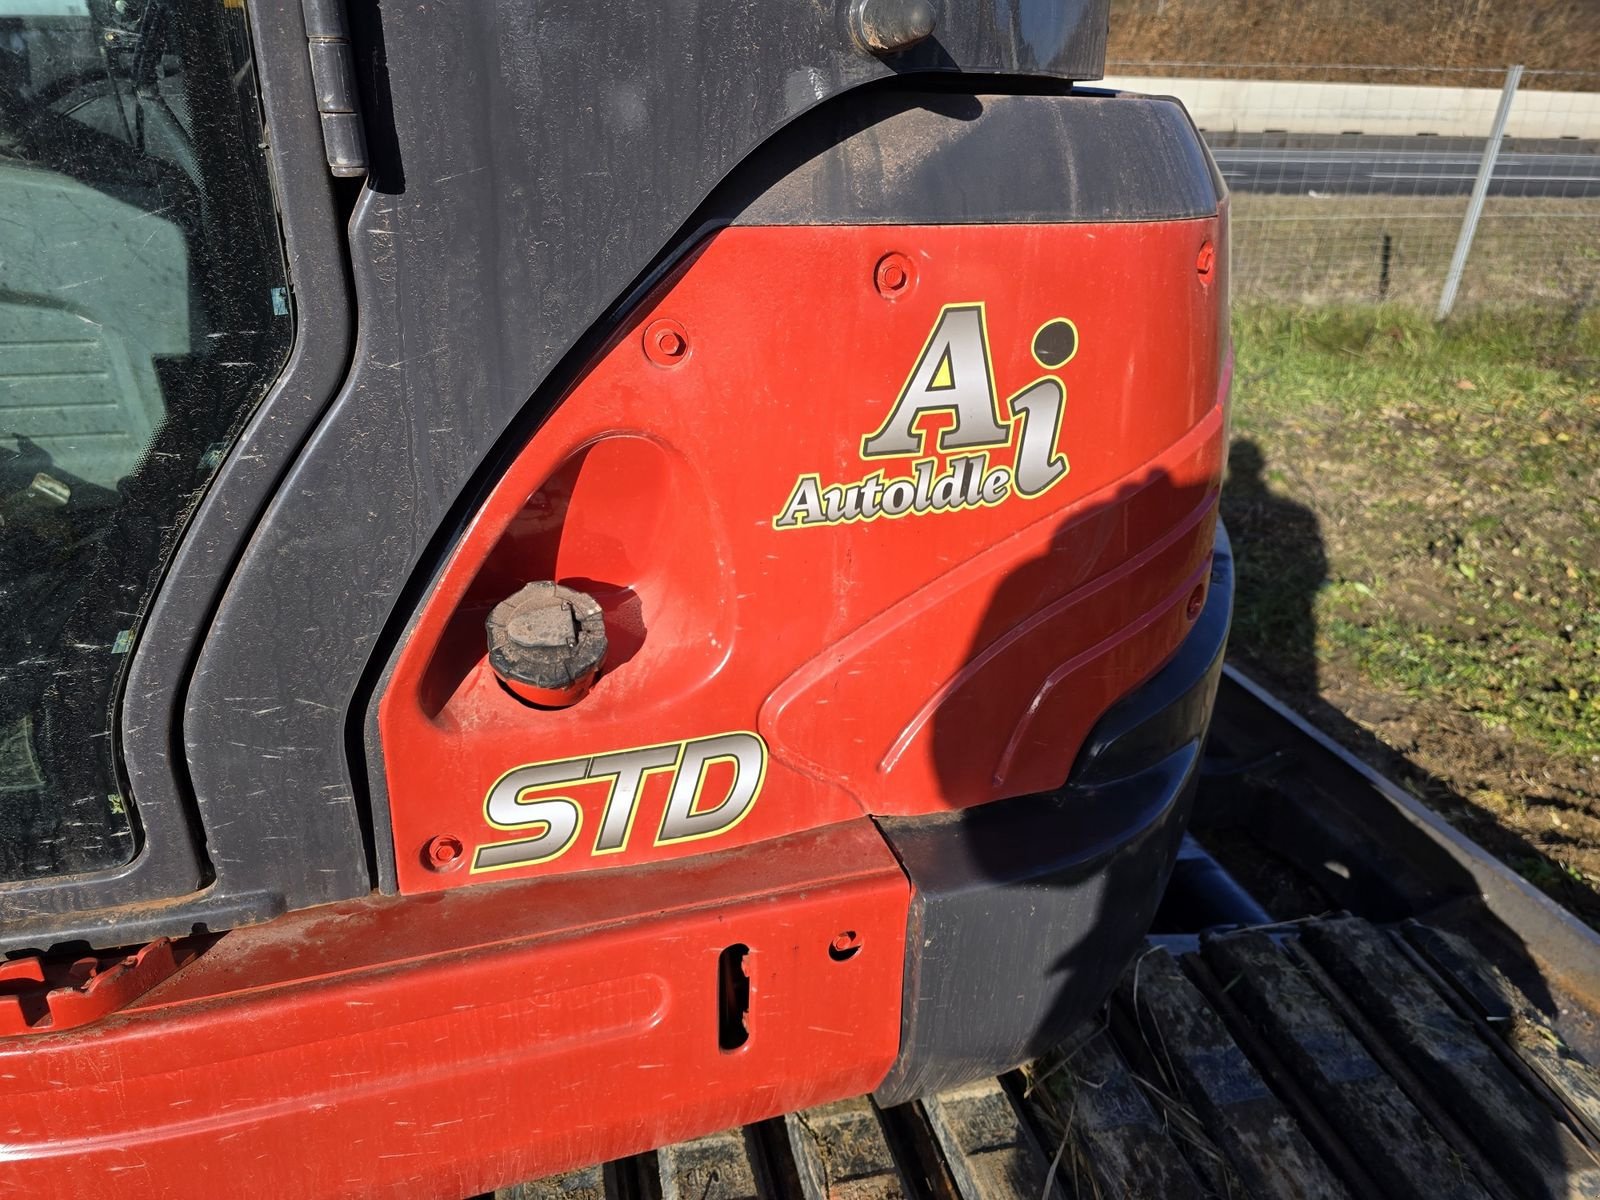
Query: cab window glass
[143,314]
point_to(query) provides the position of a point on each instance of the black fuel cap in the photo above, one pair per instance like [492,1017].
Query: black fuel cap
[546,643]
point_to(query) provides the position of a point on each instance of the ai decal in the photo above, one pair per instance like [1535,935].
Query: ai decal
[710,784]
[978,456]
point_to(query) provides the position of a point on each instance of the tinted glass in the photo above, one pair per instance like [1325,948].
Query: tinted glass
[143,313]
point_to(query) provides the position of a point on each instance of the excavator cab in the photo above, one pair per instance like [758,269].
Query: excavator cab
[574,576]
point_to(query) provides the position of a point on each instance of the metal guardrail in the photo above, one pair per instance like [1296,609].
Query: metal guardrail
[1486,194]
[1235,105]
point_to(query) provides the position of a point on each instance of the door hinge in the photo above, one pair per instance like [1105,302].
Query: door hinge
[333,75]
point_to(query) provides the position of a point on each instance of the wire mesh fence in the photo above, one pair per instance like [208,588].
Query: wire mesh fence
[1351,183]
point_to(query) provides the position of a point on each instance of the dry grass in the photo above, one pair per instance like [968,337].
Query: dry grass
[1541,34]
[1316,250]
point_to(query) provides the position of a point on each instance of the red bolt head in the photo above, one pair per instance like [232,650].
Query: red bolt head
[1205,261]
[893,275]
[666,342]
[844,946]
[444,852]
[1197,601]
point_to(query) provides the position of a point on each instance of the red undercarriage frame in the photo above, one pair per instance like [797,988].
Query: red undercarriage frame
[446,1045]
[565,1008]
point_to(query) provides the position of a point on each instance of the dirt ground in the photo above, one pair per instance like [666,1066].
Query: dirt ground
[1416,514]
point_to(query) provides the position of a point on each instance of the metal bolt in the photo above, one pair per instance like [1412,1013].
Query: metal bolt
[666,342]
[844,945]
[892,275]
[1197,601]
[444,852]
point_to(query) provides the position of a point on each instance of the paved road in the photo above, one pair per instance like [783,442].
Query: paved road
[1364,170]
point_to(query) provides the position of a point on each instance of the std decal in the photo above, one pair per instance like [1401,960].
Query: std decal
[711,784]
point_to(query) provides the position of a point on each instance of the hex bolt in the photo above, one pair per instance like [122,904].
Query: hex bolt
[444,852]
[892,276]
[844,945]
[666,342]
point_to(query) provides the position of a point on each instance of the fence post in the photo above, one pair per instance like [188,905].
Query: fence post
[1480,189]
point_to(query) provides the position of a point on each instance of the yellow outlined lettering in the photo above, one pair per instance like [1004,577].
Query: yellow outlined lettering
[956,475]
[624,774]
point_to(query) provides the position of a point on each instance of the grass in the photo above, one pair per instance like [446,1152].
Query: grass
[1417,513]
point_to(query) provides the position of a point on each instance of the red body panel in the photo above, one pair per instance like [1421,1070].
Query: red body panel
[444,1045]
[861,651]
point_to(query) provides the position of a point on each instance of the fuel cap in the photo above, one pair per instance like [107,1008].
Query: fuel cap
[546,643]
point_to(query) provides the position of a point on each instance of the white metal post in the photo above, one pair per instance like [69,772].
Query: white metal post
[1480,189]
